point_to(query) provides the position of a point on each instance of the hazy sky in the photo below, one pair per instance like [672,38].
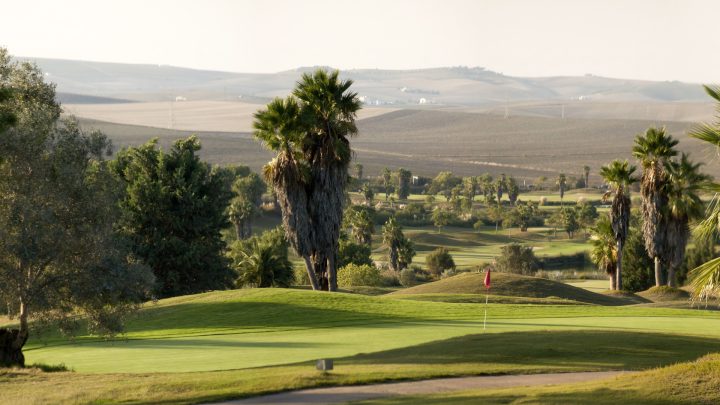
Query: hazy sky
[646,39]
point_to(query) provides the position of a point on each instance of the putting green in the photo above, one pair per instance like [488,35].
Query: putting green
[252,328]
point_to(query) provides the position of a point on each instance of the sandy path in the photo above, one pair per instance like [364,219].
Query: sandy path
[339,395]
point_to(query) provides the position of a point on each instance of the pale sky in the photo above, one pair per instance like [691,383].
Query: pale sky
[643,39]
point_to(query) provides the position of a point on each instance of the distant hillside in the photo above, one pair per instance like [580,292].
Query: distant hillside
[450,86]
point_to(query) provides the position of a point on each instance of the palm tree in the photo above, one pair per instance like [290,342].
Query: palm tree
[705,279]
[392,238]
[561,183]
[654,150]
[327,110]
[387,176]
[361,225]
[604,250]
[280,129]
[619,175]
[586,172]
[684,205]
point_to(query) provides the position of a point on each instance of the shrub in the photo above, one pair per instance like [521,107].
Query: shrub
[408,278]
[439,260]
[516,258]
[637,266]
[359,275]
[262,261]
[543,201]
[389,278]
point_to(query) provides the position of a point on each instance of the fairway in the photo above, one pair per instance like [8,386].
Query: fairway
[251,328]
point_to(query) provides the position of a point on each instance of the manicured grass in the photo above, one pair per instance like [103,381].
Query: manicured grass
[254,328]
[480,299]
[479,354]
[512,285]
[696,382]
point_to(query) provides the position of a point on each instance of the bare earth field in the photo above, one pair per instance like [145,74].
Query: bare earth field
[222,116]
[425,141]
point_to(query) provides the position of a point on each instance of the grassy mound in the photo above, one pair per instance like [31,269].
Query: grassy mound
[513,285]
[664,293]
[480,299]
[626,296]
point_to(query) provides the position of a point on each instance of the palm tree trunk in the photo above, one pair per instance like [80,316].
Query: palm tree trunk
[618,275]
[613,285]
[238,229]
[658,272]
[311,273]
[332,272]
[671,277]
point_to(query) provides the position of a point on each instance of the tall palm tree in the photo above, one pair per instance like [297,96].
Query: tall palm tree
[654,150]
[604,250]
[705,279]
[586,172]
[684,205]
[619,175]
[361,225]
[561,183]
[392,238]
[327,110]
[279,128]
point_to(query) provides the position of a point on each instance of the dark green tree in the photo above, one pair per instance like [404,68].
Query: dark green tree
[245,205]
[404,178]
[173,210]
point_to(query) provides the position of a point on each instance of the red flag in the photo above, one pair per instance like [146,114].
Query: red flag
[487,279]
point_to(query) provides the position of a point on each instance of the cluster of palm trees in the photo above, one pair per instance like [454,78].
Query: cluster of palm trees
[309,133]
[669,190]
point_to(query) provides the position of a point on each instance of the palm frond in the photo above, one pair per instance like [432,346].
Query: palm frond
[705,280]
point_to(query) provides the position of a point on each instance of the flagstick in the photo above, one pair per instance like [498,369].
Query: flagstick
[485,320]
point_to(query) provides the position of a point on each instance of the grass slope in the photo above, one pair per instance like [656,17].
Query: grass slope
[696,382]
[513,285]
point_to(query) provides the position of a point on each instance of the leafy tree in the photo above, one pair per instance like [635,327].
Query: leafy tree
[355,253]
[262,261]
[604,248]
[684,205]
[522,215]
[443,184]
[244,206]
[496,213]
[387,177]
[654,150]
[173,209]
[516,258]
[513,190]
[310,133]
[586,215]
[620,176]
[60,259]
[570,222]
[439,260]
[404,177]
[440,218]
[470,187]
[702,251]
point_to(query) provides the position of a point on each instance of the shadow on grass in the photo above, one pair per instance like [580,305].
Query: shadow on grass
[587,350]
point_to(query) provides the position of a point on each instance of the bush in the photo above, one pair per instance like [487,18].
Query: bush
[408,278]
[516,258]
[262,261]
[543,201]
[354,275]
[389,278]
[439,260]
[353,253]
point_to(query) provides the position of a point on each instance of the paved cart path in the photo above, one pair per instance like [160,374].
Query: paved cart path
[339,395]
